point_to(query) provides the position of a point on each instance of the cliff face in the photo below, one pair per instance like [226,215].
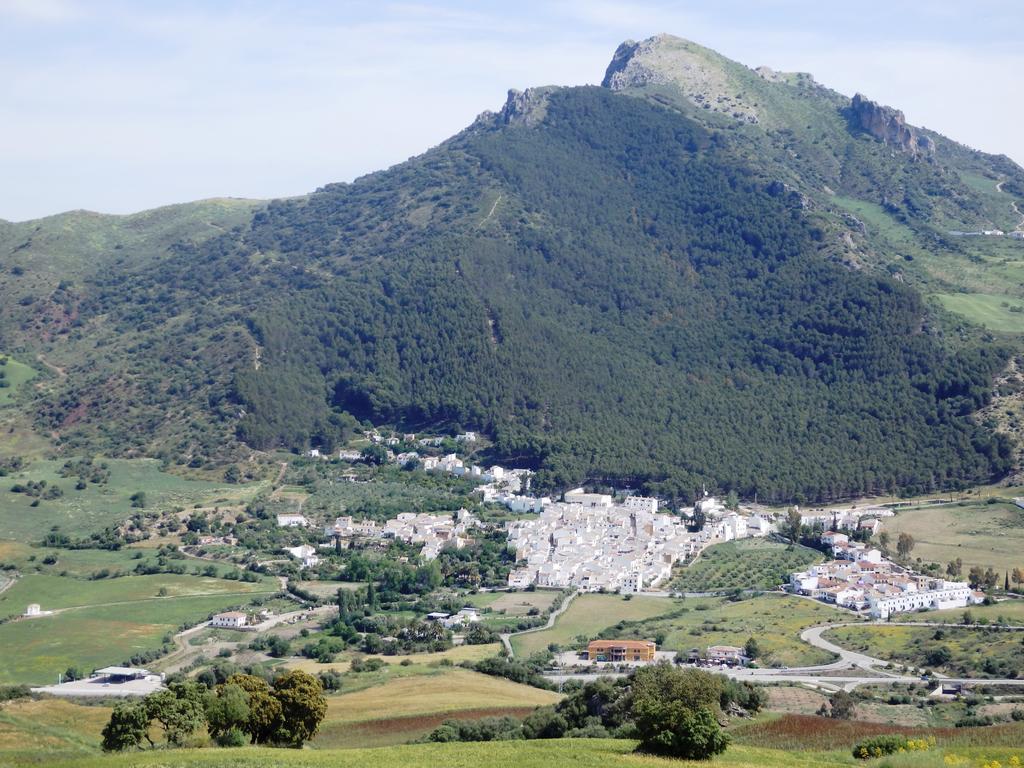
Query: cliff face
[889,125]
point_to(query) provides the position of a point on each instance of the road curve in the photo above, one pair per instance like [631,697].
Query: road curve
[506,638]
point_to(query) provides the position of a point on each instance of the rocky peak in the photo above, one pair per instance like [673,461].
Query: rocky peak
[701,75]
[890,126]
[524,107]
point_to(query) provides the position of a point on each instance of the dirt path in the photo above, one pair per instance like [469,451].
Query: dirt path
[55,368]
[491,212]
[1013,204]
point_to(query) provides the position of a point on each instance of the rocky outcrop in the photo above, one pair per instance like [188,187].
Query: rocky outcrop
[524,107]
[704,78]
[889,125]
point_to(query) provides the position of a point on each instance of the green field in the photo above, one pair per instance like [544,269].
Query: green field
[81,512]
[103,622]
[581,753]
[995,312]
[978,533]
[15,374]
[774,620]
[85,563]
[744,564]
[965,652]
[587,616]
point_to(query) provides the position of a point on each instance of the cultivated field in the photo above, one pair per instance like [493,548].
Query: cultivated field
[979,533]
[106,622]
[408,708]
[512,603]
[744,564]
[587,616]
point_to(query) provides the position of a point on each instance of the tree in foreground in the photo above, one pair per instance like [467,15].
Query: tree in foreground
[227,712]
[264,710]
[303,707]
[179,710]
[674,711]
[127,727]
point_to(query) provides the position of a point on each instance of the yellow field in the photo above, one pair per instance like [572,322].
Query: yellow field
[51,727]
[978,533]
[450,691]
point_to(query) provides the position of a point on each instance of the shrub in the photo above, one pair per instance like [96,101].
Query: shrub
[890,744]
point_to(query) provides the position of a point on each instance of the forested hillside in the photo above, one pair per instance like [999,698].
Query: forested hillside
[609,285]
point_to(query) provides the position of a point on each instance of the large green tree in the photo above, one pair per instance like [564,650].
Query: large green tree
[303,706]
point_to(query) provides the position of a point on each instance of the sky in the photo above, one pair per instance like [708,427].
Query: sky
[124,106]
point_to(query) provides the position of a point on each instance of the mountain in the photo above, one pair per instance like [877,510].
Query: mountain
[696,273]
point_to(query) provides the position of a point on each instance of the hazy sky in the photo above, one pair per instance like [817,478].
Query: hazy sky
[121,106]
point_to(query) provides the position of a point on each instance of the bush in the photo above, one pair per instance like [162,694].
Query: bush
[890,744]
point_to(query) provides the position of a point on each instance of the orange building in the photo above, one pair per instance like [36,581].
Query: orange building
[621,650]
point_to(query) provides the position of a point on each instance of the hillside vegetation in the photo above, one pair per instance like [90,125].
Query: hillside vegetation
[614,286]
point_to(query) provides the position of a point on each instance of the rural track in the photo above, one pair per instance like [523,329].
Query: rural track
[506,638]
[1019,226]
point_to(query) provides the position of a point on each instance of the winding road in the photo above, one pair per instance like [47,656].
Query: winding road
[506,638]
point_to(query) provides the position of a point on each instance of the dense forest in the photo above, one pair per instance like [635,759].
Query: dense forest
[612,290]
[638,310]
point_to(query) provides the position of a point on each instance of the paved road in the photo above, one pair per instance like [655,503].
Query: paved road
[506,638]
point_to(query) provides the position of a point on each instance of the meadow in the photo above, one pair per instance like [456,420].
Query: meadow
[744,564]
[104,622]
[995,312]
[16,375]
[773,620]
[98,505]
[586,616]
[979,533]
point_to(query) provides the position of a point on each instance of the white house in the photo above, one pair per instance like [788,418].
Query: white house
[305,554]
[292,521]
[230,620]
[466,437]
[589,500]
[641,504]
[726,654]
[946,594]
[633,583]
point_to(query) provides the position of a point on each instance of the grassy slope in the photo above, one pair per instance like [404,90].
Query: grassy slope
[16,374]
[81,512]
[116,619]
[744,564]
[970,649]
[978,533]
[588,615]
[585,753]
[993,312]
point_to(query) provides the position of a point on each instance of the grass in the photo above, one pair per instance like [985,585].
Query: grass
[48,729]
[580,753]
[15,374]
[979,533]
[81,512]
[744,564]
[811,733]
[86,563]
[512,603]
[103,622]
[1008,611]
[587,616]
[421,663]
[995,312]
[774,620]
[971,652]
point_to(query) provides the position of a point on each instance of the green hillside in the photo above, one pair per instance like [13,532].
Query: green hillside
[670,282]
